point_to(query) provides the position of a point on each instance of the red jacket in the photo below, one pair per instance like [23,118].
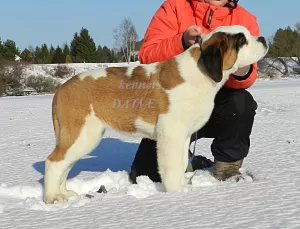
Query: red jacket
[163,38]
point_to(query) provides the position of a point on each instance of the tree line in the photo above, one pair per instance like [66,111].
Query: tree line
[283,58]
[81,49]
[284,43]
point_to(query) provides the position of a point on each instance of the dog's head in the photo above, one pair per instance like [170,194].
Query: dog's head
[228,48]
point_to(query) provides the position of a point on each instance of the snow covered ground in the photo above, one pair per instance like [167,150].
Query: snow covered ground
[271,200]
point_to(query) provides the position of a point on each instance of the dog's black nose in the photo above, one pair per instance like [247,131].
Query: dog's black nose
[263,41]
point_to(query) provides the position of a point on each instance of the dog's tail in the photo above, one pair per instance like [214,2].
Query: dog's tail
[54,118]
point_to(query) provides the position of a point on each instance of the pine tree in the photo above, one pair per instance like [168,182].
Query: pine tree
[68,59]
[283,43]
[59,56]
[38,55]
[66,50]
[51,54]
[32,51]
[99,54]
[26,55]
[73,50]
[284,48]
[83,48]
[44,54]
[9,50]
[106,54]
[41,54]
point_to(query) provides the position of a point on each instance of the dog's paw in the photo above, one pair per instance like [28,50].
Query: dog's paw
[51,199]
[174,184]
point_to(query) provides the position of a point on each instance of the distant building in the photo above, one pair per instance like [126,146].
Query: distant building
[17,58]
[29,91]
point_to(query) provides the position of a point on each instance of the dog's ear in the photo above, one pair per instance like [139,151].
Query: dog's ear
[212,60]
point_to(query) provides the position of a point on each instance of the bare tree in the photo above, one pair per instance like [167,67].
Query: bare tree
[11,74]
[125,36]
[273,67]
[42,83]
[285,53]
[63,71]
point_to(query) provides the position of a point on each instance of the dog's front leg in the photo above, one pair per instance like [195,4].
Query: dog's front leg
[170,153]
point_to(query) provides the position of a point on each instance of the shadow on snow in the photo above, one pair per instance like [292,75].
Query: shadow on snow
[111,153]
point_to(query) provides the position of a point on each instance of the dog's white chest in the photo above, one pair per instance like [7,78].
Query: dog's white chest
[192,106]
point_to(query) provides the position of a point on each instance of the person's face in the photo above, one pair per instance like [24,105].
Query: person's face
[217,2]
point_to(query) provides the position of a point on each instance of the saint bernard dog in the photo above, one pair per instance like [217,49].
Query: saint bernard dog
[166,101]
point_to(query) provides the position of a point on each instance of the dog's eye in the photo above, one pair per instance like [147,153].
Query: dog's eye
[241,40]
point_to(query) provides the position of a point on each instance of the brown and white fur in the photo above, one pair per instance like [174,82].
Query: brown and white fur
[166,101]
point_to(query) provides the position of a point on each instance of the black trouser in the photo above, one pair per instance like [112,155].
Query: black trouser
[230,125]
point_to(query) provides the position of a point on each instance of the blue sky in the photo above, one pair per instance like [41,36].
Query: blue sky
[34,22]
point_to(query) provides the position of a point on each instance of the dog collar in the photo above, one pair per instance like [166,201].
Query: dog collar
[199,41]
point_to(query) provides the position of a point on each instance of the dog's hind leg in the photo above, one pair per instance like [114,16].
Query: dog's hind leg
[61,161]
[63,183]
[170,153]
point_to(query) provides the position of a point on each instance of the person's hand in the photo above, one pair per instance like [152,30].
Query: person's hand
[242,71]
[190,35]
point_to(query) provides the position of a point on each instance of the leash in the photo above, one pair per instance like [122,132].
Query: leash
[199,40]
[194,150]
[232,4]
[190,167]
